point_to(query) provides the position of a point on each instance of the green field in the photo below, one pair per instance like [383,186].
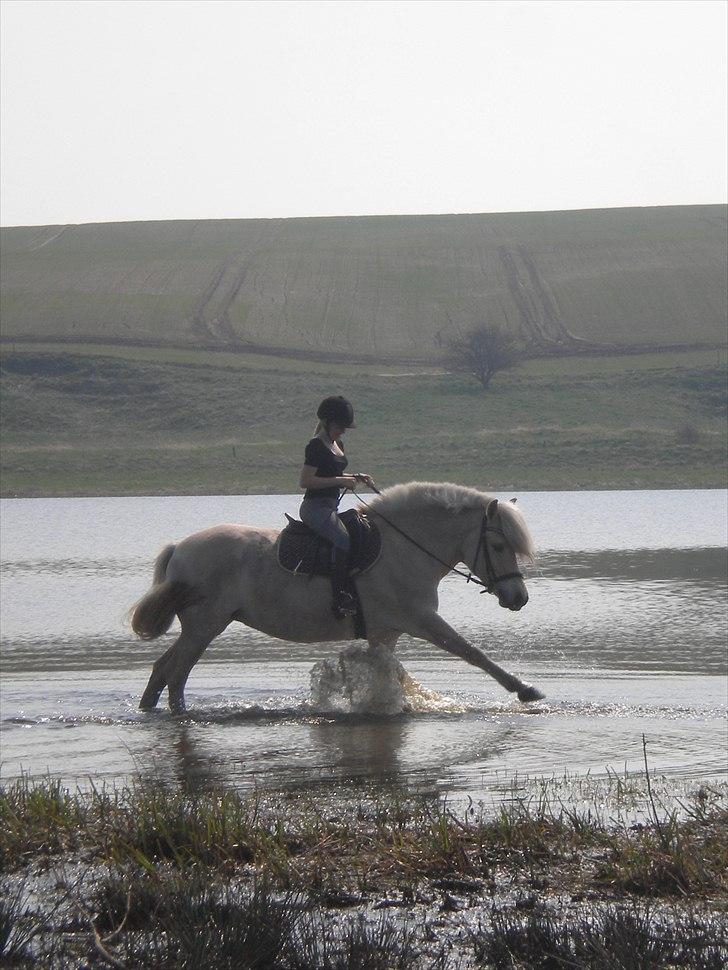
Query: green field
[377,288]
[188,357]
[85,420]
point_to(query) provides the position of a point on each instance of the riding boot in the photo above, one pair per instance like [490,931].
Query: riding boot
[343,603]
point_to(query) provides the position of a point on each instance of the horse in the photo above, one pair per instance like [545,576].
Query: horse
[231,573]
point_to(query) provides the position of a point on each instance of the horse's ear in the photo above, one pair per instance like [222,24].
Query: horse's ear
[492,509]
[513,500]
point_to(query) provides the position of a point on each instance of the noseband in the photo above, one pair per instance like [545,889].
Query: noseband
[491,576]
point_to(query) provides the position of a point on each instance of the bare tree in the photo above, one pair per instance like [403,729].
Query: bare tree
[483,352]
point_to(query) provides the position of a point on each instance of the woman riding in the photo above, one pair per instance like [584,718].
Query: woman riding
[323,478]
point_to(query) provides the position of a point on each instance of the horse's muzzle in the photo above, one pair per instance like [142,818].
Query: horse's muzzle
[512,599]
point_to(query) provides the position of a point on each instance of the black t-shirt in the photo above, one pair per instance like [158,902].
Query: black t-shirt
[327,465]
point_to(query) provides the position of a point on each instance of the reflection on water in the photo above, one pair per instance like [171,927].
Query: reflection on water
[701,567]
[624,631]
[325,751]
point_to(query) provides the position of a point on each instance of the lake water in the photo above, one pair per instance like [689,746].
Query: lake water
[625,633]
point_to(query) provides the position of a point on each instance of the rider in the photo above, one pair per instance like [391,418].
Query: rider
[323,478]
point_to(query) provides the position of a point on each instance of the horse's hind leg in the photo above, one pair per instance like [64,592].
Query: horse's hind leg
[194,640]
[157,681]
[174,666]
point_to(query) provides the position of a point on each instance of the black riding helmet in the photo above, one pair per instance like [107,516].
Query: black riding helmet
[337,409]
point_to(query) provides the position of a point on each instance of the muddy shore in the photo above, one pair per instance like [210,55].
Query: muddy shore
[149,877]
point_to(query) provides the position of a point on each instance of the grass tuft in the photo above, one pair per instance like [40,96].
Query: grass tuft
[615,938]
[18,924]
[184,921]
[38,818]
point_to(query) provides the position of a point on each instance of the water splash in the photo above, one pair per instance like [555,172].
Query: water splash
[363,680]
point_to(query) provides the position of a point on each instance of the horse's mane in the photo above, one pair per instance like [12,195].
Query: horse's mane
[414,496]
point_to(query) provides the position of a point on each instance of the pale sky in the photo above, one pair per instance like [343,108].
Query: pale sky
[224,109]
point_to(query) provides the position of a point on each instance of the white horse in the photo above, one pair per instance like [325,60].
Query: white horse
[231,572]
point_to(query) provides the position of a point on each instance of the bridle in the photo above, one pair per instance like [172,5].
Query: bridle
[492,577]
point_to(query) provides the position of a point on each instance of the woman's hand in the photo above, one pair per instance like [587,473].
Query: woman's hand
[367,479]
[346,481]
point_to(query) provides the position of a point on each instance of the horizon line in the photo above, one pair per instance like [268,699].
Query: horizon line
[380,215]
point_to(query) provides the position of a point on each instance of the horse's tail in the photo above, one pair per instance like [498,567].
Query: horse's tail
[153,614]
[161,563]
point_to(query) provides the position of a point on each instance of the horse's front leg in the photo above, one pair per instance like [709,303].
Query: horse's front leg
[434,629]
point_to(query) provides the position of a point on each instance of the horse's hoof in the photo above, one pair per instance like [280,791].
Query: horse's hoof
[529,693]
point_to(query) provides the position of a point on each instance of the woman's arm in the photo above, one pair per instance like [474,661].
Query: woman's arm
[309,479]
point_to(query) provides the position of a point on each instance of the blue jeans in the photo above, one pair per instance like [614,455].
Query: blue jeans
[320,515]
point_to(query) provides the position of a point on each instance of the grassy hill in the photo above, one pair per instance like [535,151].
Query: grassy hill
[188,357]
[380,288]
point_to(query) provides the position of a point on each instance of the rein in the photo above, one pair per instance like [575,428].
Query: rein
[492,576]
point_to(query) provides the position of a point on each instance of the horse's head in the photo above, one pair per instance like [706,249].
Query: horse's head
[502,537]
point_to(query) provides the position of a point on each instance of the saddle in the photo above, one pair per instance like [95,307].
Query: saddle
[304,552]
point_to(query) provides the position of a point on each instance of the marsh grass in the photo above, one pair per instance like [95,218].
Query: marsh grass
[401,839]
[17,923]
[180,919]
[185,922]
[151,877]
[363,945]
[679,859]
[668,855]
[195,925]
[630,937]
[38,818]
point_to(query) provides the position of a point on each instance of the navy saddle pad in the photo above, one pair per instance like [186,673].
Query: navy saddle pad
[300,550]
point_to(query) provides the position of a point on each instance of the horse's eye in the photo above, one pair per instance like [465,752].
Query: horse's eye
[498,547]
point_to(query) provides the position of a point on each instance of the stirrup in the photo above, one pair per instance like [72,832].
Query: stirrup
[343,605]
